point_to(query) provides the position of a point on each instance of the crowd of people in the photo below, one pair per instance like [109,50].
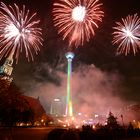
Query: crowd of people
[88,133]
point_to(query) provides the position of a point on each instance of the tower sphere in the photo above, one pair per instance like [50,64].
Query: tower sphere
[69,55]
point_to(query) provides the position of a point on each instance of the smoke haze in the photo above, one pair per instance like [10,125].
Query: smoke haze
[93,90]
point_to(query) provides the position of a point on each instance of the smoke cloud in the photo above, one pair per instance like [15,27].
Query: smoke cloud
[93,91]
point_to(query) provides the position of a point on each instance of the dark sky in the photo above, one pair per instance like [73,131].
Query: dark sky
[98,51]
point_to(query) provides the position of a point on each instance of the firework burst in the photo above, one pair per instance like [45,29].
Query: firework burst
[76,19]
[18,31]
[127,34]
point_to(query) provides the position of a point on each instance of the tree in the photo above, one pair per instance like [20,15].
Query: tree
[13,108]
[112,121]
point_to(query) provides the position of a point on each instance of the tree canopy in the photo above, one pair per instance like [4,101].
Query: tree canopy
[13,108]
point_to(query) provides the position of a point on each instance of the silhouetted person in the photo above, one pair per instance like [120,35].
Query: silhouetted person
[55,134]
[70,135]
[130,129]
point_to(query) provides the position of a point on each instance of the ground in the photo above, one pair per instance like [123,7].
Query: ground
[30,134]
[24,133]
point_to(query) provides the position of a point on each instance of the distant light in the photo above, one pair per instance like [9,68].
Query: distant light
[84,121]
[21,124]
[77,126]
[50,122]
[28,124]
[56,100]
[64,125]
[72,118]
[96,115]
[79,114]
[93,127]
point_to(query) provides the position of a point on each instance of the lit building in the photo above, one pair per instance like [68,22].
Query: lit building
[39,113]
[56,107]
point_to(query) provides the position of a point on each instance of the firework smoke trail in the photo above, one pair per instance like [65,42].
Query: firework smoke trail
[127,34]
[76,19]
[18,31]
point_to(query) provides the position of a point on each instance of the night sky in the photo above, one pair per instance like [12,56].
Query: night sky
[99,51]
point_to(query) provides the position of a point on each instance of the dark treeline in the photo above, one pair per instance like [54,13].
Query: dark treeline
[13,108]
[111,131]
[87,133]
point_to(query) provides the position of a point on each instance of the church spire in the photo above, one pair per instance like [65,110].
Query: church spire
[6,69]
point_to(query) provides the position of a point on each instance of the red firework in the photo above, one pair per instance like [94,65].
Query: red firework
[76,19]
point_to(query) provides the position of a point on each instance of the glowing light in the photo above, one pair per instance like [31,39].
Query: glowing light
[42,120]
[77,19]
[138,125]
[96,115]
[72,118]
[127,35]
[56,100]
[77,126]
[21,124]
[18,31]
[64,125]
[78,13]
[94,127]
[84,121]
[79,114]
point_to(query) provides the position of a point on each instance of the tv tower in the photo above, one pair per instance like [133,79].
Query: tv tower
[69,108]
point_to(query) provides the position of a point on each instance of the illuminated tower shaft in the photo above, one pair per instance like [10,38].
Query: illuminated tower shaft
[69,108]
